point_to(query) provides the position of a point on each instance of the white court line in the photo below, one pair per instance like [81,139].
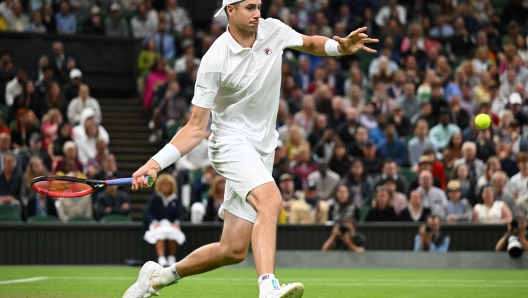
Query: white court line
[17,281]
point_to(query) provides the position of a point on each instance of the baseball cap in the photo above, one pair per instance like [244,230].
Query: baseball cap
[115,6]
[34,137]
[515,98]
[310,185]
[424,159]
[285,176]
[224,4]
[75,73]
[453,185]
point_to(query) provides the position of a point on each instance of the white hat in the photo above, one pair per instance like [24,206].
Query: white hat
[224,4]
[115,6]
[515,98]
[75,73]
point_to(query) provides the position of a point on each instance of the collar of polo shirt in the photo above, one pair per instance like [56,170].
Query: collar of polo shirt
[234,46]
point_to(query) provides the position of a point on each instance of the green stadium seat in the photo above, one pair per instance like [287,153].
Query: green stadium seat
[80,218]
[363,211]
[115,218]
[10,209]
[409,174]
[9,218]
[40,218]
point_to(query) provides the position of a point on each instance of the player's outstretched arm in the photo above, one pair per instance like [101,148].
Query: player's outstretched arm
[323,46]
[183,142]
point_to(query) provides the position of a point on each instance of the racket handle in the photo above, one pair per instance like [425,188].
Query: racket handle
[126,181]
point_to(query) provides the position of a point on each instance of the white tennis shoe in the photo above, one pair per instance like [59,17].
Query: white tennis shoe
[143,287]
[294,290]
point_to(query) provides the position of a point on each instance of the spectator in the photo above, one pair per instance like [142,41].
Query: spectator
[491,211]
[34,169]
[475,165]
[325,180]
[492,165]
[156,77]
[6,8]
[41,205]
[35,149]
[453,150]
[480,92]
[44,85]
[147,57]
[15,87]
[81,102]
[429,237]
[390,171]
[94,165]
[22,130]
[408,101]
[359,184]
[345,237]
[68,207]
[176,16]
[28,100]
[507,84]
[386,12]
[519,182]
[3,128]
[36,26]
[50,125]
[112,201]
[340,162]
[215,199]
[10,181]
[370,159]
[368,116]
[17,21]
[398,200]
[460,116]
[415,211]
[295,142]
[86,135]
[116,26]
[381,206]
[337,117]
[499,180]
[200,194]
[522,49]
[433,197]
[458,208]
[441,134]
[94,24]
[392,147]
[181,64]
[71,89]
[66,21]
[342,206]
[164,214]
[55,148]
[305,165]
[70,152]
[468,185]
[346,130]
[306,116]
[321,25]
[164,41]
[169,112]
[420,142]
[516,101]
[311,209]
[48,18]
[287,188]
[109,168]
[141,25]
[5,147]
[384,104]
[441,30]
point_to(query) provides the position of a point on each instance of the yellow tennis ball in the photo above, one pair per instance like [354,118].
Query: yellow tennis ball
[482,121]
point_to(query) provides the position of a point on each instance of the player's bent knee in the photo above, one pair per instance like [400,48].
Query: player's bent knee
[234,254]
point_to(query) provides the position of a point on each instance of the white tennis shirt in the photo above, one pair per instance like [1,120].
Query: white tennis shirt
[241,86]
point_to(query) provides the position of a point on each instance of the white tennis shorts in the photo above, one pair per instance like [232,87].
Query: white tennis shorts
[244,168]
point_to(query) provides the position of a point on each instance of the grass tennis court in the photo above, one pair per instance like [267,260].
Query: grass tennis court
[111,281]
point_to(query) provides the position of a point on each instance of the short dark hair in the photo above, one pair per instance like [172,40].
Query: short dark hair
[234,4]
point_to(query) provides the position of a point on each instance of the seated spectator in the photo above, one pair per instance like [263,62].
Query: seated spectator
[433,197]
[200,193]
[345,237]
[48,18]
[420,142]
[188,56]
[468,185]
[54,99]
[392,147]
[381,206]
[86,135]
[430,238]
[95,164]
[140,24]
[340,162]
[66,21]
[17,21]
[441,134]
[408,101]
[425,89]
[28,100]
[458,207]
[403,125]
[68,207]
[164,214]
[355,147]
[287,190]
[94,25]
[337,117]
[305,164]
[326,180]
[15,86]
[10,181]
[55,148]
[519,182]
[390,171]
[41,205]
[147,57]
[169,112]
[109,168]
[398,200]
[22,130]
[426,113]
[493,165]
[4,129]
[415,211]
[341,206]
[164,41]
[491,211]
[70,152]
[441,29]
[371,162]
[383,73]
[35,168]
[112,201]
[305,118]
[475,165]
[453,150]
[310,209]
[359,184]
[71,89]
[81,102]
[36,26]
[176,16]
[155,77]
[501,190]
[425,164]
[115,26]
[215,200]
[368,116]
[437,168]
[35,149]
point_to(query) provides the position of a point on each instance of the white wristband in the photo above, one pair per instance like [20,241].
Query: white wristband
[167,156]
[331,48]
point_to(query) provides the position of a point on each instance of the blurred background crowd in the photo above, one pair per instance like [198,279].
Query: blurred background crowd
[369,137]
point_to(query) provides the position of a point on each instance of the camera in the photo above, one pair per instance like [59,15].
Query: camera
[514,224]
[429,229]
[343,229]
[515,249]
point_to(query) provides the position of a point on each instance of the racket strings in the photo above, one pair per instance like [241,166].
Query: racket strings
[63,188]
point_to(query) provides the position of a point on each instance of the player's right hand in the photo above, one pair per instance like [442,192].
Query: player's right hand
[151,168]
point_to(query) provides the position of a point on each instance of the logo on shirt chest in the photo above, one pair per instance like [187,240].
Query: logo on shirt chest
[268,51]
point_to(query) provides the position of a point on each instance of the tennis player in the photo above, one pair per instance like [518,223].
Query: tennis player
[239,81]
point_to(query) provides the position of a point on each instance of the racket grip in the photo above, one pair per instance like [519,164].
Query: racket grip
[126,181]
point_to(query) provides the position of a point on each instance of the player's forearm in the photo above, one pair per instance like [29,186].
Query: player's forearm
[315,45]
[188,137]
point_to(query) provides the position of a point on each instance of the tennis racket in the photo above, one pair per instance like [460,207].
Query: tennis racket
[71,187]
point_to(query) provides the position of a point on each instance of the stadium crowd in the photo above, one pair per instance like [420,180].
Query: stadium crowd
[384,137]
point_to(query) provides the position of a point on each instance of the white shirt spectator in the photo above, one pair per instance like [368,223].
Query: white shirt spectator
[181,64]
[327,186]
[142,28]
[87,146]
[393,66]
[77,105]
[13,89]
[196,158]
[436,200]
[519,185]
[382,18]
[177,18]
[491,215]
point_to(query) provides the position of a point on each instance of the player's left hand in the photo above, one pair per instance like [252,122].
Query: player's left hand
[355,42]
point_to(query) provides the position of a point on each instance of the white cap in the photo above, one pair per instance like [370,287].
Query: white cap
[224,4]
[75,73]
[115,6]
[515,98]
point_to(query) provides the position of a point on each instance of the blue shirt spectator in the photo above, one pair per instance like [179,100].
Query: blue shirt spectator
[392,147]
[164,41]
[441,29]
[441,134]
[66,21]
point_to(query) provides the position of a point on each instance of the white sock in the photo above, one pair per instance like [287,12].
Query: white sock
[268,283]
[169,275]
